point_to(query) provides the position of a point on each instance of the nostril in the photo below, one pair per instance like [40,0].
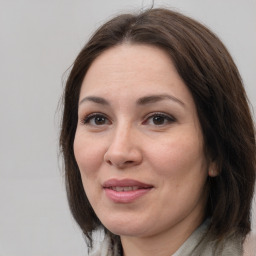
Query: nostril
[128,162]
[109,162]
[120,164]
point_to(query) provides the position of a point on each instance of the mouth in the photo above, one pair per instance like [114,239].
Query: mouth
[119,189]
[125,191]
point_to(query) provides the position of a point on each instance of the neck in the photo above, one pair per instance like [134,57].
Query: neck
[165,243]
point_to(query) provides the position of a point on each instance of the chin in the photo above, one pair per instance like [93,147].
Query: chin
[124,227]
[125,231]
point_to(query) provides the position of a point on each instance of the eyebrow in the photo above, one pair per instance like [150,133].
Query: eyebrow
[155,98]
[141,101]
[95,99]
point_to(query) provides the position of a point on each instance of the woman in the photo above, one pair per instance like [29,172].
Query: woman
[158,140]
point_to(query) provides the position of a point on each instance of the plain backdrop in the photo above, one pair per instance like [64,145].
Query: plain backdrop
[39,41]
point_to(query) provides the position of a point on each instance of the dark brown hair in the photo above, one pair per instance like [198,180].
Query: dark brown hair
[210,74]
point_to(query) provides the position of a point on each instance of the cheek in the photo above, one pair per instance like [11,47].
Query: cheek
[181,167]
[89,157]
[178,156]
[88,154]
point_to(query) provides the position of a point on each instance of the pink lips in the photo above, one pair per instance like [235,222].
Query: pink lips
[125,191]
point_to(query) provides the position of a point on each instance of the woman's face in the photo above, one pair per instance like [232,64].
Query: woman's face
[139,145]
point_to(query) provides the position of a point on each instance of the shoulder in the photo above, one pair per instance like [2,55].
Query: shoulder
[230,246]
[203,243]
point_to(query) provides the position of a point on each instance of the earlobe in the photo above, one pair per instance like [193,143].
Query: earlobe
[212,173]
[213,170]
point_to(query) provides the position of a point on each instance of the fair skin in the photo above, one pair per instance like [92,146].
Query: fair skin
[137,120]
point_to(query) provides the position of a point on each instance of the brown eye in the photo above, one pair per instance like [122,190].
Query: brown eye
[96,120]
[99,120]
[159,119]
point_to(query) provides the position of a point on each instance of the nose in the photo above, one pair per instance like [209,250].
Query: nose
[124,150]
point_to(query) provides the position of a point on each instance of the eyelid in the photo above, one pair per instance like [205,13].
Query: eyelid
[170,118]
[85,120]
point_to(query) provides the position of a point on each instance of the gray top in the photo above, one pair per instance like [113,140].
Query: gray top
[201,244]
[198,244]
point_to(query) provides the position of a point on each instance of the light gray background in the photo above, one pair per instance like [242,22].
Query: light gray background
[39,40]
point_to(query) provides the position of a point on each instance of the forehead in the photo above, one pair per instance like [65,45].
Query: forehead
[130,59]
[133,69]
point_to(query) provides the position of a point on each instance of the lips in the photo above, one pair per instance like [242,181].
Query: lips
[125,191]
[125,183]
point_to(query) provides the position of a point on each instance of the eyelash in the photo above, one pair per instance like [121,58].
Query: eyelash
[166,117]
[90,117]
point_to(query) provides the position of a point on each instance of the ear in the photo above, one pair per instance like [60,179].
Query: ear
[213,170]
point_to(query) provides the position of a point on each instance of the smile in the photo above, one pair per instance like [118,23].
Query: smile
[119,189]
[125,191]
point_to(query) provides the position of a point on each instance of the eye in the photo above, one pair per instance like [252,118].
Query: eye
[159,119]
[96,120]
